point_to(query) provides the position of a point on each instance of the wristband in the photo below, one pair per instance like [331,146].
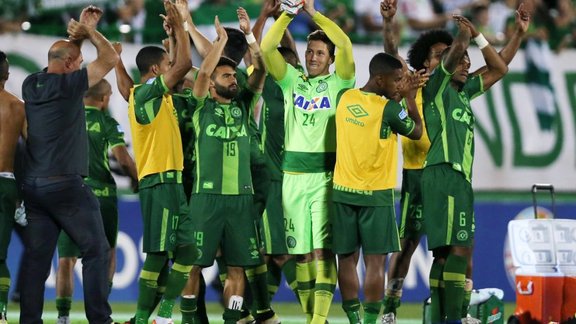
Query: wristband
[185,24]
[250,39]
[481,41]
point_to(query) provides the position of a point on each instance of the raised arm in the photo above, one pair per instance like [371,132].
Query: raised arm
[522,23]
[182,63]
[202,44]
[275,62]
[170,42]
[344,61]
[89,16]
[496,68]
[256,79]
[459,45]
[269,8]
[202,84]
[106,58]
[412,82]
[123,79]
[387,11]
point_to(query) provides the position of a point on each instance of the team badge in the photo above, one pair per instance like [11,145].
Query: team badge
[291,242]
[236,112]
[322,86]
[462,235]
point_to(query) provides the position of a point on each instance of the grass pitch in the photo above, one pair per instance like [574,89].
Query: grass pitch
[290,313]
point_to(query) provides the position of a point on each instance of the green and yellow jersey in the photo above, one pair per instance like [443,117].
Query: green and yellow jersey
[155,132]
[367,152]
[450,120]
[104,133]
[222,145]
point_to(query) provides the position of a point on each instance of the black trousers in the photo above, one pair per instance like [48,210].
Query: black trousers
[54,204]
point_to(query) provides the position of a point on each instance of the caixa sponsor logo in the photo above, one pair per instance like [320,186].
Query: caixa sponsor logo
[303,103]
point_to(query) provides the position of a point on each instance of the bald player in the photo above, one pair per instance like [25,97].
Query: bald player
[11,124]
[57,160]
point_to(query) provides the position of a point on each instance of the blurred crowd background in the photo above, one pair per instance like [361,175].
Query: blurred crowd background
[138,21]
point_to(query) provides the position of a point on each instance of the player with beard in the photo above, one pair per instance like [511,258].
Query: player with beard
[222,193]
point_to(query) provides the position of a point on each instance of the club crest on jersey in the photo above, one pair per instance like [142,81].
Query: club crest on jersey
[315,103]
[236,112]
[322,86]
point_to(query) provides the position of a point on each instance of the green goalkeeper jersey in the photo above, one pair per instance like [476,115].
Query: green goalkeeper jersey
[309,120]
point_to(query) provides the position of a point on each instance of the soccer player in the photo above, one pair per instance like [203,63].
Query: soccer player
[310,147]
[104,134]
[235,49]
[278,260]
[56,161]
[447,198]
[367,120]
[424,54]
[11,125]
[158,151]
[222,195]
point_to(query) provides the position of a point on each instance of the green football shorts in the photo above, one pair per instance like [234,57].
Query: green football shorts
[448,207]
[226,222]
[307,205]
[372,228]
[411,217]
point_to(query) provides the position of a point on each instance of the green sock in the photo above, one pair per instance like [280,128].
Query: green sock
[165,309]
[148,285]
[391,304]
[257,282]
[184,256]
[273,279]
[324,289]
[467,296]
[162,280]
[306,276]
[371,312]
[454,276]
[146,296]
[176,281]
[289,270]
[352,309]
[436,293]
[231,316]
[63,305]
[188,308]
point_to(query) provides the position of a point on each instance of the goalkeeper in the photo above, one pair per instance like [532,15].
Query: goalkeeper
[310,149]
